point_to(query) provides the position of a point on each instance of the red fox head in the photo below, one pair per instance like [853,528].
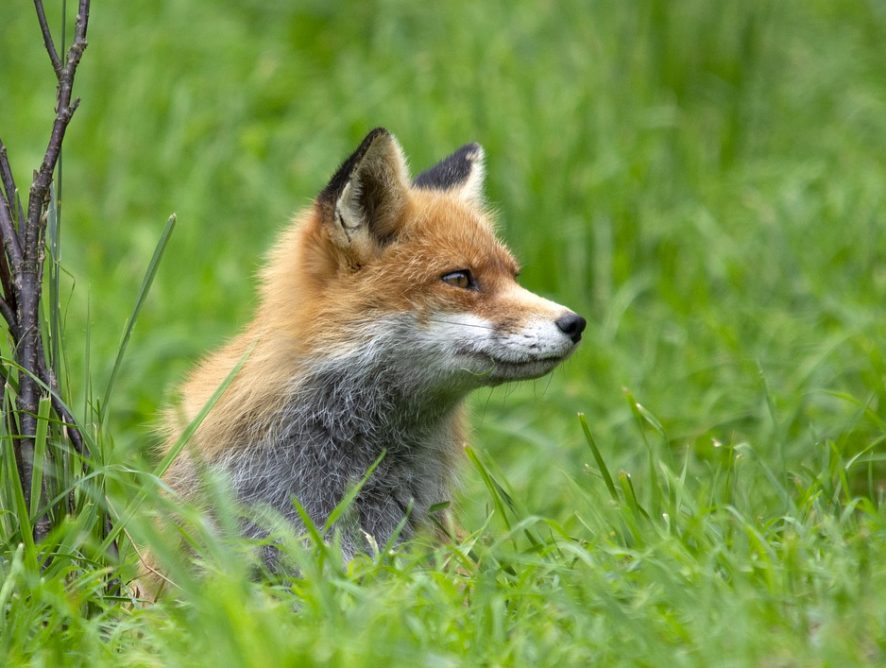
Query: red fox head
[410,275]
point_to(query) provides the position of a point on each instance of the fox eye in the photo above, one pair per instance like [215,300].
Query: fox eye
[462,278]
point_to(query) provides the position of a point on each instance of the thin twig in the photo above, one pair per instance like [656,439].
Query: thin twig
[6,281]
[47,38]
[64,110]
[13,200]
[6,174]
[11,242]
[12,250]
[8,315]
[47,376]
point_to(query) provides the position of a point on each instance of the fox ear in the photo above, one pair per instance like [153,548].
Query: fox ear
[463,172]
[366,196]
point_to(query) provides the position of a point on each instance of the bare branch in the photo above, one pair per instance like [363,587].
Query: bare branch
[26,252]
[39,194]
[10,240]
[9,315]
[71,428]
[6,176]
[47,38]
[48,379]
[7,227]
[64,110]
[13,200]
[47,376]
[82,20]
[6,281]
[8,198]
[21,268]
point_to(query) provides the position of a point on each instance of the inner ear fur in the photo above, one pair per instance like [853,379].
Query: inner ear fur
[364,200]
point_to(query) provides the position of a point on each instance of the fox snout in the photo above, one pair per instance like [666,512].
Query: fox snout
[572,325]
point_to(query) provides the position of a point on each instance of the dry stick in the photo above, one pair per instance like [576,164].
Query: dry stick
[47,376]
[7,279]
[12,195]
[12,252]
[6,176]
[47,39]
[9,316]
[64,110]
[28,279]
[7,284]
[11,241]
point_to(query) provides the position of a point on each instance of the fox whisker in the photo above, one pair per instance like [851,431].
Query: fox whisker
[461,324]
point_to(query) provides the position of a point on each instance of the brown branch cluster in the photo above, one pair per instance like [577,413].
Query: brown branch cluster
[23,252]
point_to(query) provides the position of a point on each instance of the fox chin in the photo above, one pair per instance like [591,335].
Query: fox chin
[380,308]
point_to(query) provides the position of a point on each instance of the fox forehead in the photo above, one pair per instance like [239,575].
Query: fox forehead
[441,233]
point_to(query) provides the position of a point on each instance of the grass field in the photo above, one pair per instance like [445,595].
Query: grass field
[706,182]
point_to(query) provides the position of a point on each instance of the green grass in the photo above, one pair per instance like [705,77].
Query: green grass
[706,182]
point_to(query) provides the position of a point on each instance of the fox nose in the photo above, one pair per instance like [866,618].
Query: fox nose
[572,325]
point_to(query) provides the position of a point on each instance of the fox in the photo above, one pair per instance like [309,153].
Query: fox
[380,308]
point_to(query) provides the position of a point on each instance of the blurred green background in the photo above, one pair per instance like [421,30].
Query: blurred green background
[706,182]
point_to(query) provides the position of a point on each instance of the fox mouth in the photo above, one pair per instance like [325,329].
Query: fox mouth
[503,370]
[524,370]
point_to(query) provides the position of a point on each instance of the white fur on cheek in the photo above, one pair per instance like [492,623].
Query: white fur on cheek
[459,327]
[454,337]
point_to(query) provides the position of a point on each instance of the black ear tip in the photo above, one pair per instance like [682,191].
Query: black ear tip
[472,152]
[375,133]
[473,149]
[453,171]
[334,188]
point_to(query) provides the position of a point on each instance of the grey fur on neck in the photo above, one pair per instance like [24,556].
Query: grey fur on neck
[335,422]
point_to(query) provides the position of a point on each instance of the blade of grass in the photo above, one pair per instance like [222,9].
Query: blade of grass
[24,519]
[601,464]
[14,570]
[40,448]
[644,418]
[139,302]
[627,486]
[310,527]
[124,518]
[776,423]
[630,518]
[501,497]
[174,451]
[494,489]
[87,357]
[395,534]
[348,498]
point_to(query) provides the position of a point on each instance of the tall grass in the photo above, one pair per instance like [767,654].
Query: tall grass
[704,181]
